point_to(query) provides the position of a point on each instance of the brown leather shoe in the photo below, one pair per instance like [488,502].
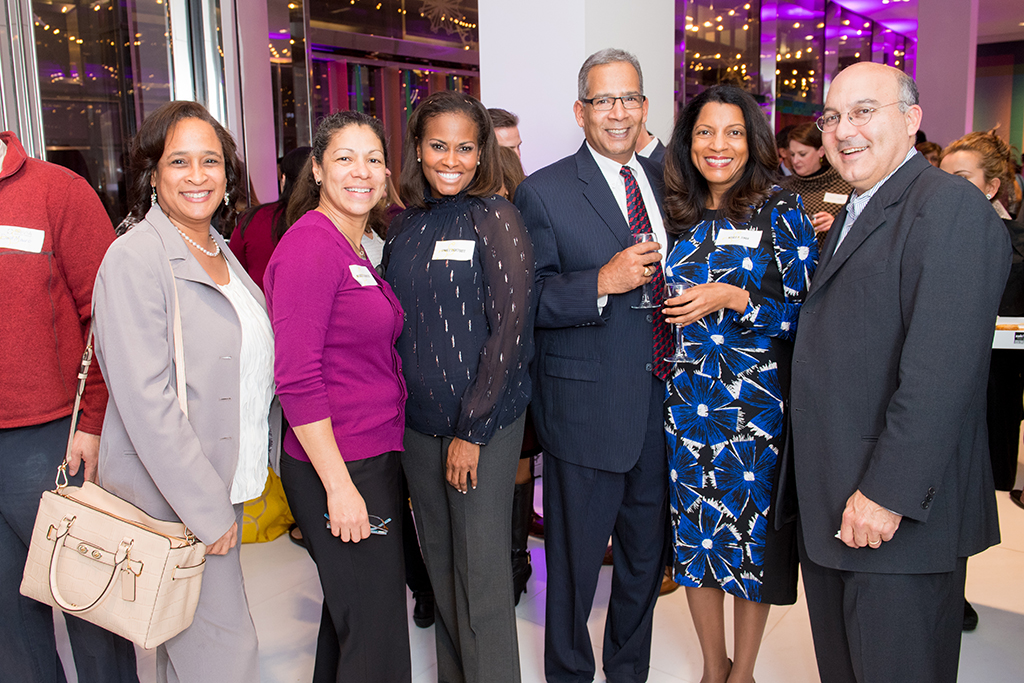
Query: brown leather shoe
[668,584]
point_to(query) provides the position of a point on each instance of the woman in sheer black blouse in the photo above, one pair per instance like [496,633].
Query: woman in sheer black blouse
[461,264]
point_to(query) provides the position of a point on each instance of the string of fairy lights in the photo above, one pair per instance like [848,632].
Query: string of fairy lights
[723,42]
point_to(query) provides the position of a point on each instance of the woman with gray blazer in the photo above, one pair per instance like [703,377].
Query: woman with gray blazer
[197,469]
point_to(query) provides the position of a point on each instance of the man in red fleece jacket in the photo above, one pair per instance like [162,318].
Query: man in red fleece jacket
[53,234]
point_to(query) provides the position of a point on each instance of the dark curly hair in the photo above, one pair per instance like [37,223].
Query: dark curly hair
[148,146]
[487,179]
[686,190]
[306,195]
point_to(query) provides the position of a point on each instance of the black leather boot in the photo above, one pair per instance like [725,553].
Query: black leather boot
[522,507]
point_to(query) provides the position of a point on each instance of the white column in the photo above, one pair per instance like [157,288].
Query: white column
[250,100]
[947,50]
[531,52]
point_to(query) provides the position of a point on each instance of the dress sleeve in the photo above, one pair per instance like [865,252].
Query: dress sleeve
[506,258]
[796,255]
[302,281]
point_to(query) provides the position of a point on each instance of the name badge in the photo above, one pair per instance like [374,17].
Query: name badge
[362,275]
[744,238]
[21,239]
[835,198]
[454,250]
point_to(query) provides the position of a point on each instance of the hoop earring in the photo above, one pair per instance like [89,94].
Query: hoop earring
[317,182]
[152,196]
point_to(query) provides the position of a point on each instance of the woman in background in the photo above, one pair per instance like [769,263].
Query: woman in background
[984,160]
[260,229]
[822,189]
[340,384]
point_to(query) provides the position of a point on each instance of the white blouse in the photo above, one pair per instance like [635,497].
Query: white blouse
[256,376]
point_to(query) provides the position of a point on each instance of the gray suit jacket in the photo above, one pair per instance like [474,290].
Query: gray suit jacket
[889,373]
[151,455]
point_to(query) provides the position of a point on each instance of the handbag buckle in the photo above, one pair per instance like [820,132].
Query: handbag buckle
[61,481]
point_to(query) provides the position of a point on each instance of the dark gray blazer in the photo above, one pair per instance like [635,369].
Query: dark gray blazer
[591,372]
[889,373]
[151,455]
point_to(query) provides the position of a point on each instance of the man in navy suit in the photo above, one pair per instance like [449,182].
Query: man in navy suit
[890,366]
[598,398]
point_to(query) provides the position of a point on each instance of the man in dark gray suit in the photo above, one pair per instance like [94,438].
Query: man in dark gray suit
[889,441]
[598,379]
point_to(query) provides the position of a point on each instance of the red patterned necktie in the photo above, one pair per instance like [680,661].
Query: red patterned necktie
[640,223]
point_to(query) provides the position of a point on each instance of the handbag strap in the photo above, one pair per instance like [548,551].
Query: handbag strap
[83,372]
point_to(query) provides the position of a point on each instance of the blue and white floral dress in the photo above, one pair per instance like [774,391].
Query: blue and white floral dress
[724,412]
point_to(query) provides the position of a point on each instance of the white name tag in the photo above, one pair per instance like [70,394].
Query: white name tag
[363,275]
[835,198]
[455,250]
[22,239]
[744,238]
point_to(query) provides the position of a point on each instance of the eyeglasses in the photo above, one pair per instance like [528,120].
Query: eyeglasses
[608,103]
[378,526]
[858,117]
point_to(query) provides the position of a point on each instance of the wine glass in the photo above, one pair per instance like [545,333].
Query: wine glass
[672,290]
[647,291]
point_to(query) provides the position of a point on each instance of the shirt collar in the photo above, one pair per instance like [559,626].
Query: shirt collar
[647,151]
[859,201]
[610,167]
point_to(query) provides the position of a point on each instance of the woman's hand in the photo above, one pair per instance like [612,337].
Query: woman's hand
[463,458]
[697,302]
[349,519]
[822,221]
[225,543]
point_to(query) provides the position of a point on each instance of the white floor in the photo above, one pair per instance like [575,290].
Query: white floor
[284,597]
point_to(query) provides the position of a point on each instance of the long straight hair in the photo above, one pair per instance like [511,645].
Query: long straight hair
[686,190]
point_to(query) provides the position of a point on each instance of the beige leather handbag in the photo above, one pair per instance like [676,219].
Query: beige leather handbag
[102,559]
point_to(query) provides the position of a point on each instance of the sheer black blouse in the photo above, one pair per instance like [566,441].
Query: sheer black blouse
[463,271]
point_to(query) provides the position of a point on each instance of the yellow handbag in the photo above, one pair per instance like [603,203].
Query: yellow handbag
[267,517]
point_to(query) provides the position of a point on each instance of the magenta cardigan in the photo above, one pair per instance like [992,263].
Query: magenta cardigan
[335,324]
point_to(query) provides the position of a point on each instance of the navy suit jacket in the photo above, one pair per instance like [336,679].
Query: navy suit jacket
[890,367]
[591,371]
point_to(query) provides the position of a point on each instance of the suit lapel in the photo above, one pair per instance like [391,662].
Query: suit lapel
[600,196]
[873,217]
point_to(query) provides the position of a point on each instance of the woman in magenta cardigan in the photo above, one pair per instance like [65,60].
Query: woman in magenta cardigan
[340,382]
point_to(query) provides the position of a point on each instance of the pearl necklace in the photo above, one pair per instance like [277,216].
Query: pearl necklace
[212,254]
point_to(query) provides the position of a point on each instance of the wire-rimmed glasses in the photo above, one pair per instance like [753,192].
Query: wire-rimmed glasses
[608,103]
[378,526]
[858,117]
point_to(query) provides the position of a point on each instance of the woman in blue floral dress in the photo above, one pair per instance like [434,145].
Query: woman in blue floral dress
[749,251]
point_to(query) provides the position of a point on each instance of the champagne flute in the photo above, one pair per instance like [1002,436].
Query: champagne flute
[672,290]
[647,291]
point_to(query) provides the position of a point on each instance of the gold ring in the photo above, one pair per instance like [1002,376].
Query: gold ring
[647,271]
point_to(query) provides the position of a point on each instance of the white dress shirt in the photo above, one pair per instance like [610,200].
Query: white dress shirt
[256,376]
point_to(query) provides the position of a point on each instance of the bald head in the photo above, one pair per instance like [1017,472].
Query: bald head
[864,154]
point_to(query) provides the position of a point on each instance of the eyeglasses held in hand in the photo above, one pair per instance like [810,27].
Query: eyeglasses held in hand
[378,526]
[608,103]
[858,117]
